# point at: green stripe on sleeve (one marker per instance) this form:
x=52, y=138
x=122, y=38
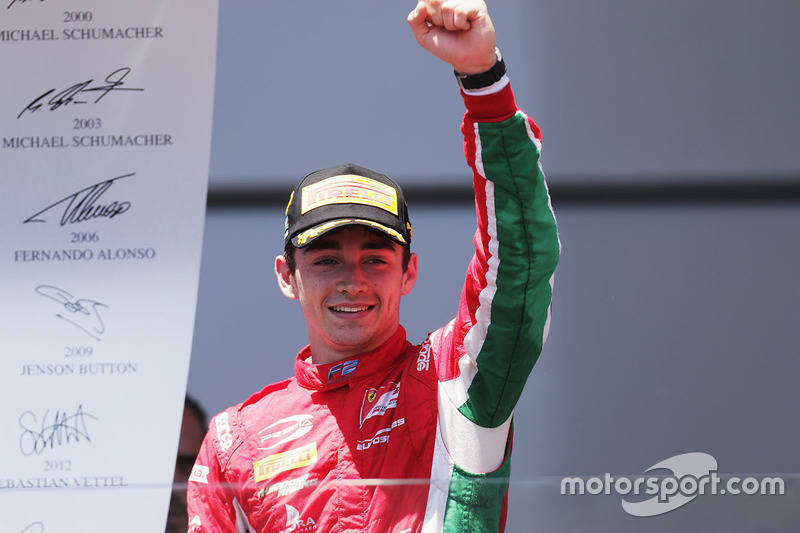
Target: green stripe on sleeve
x=475, y=501
x=528, y=252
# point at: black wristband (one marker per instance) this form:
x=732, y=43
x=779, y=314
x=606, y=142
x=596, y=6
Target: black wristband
x=483, y=79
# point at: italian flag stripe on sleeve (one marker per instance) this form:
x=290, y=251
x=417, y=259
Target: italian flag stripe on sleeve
x=511, y=311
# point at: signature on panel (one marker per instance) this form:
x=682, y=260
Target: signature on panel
x=50, y=431
x=85, y=204
x=80, y=92
x=19, y=2
x=80, y=312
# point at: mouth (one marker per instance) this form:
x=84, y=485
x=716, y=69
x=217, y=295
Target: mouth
x=351, y=309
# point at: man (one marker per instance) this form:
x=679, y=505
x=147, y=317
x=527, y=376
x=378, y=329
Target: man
x=373, y=433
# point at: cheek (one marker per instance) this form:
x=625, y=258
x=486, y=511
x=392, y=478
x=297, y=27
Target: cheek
x=310, y=290
x=396, y=290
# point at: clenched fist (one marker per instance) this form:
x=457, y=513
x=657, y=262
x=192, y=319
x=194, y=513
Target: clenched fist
x=458, y=32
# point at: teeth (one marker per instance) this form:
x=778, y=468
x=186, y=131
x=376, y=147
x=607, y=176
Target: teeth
x=350, y=309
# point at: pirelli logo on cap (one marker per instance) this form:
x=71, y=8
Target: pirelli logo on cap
x=273, y=465
x=349, y=189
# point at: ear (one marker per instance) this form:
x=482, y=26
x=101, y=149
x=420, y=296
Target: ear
x=286, y=279
x=410, y=275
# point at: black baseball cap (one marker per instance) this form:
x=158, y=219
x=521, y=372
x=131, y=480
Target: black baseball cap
x=347, y=194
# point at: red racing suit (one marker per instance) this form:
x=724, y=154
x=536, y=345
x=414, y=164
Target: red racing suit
x=405, y=438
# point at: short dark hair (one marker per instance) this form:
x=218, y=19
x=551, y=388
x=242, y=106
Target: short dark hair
x=289, y=249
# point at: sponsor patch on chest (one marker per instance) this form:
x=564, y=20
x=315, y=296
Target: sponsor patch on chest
x=381, y=436
x=377, y=401
x=290, y=486
x=284, y=430
x=296, y=523
x=273, y=465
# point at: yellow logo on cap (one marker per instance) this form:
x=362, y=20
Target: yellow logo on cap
x=349, y=189
x=316, y=231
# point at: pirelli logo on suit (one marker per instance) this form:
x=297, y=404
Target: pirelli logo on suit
x=273, y=465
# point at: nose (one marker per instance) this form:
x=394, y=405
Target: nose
x=353, y=280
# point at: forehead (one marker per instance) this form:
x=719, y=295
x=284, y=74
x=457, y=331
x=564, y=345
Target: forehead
x=353, y=235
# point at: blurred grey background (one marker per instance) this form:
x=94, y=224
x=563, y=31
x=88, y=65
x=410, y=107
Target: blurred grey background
x=671, y=145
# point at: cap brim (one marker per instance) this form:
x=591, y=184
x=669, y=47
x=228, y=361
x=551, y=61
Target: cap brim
x=303, y=239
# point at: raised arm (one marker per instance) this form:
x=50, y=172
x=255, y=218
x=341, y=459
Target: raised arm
x=486, y=354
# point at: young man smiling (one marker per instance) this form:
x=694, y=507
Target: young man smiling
x=374, y=433
x=349, y=283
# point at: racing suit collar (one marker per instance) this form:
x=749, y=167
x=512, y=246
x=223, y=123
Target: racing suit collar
x=339, y=373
